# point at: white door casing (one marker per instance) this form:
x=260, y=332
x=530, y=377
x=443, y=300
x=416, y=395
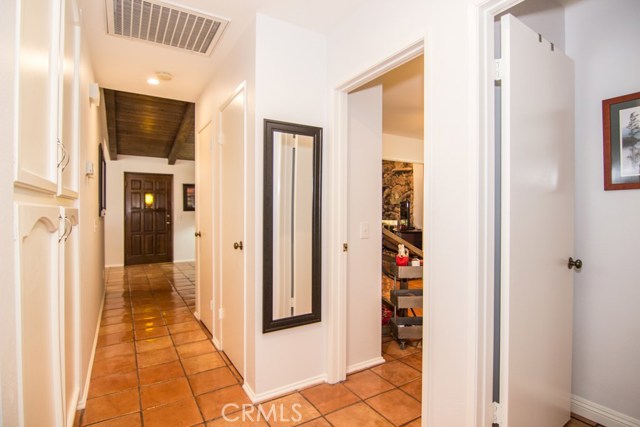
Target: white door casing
x=204, y=226
x=232, y=223
x=537, y=229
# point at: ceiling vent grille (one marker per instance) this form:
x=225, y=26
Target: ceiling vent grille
x=164, y=24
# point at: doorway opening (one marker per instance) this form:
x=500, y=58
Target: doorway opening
x=148, y=222
x=384, y=197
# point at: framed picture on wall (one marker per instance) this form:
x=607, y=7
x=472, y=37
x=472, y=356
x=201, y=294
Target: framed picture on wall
x=188, y=197
x=102, y=182
x=621, y=125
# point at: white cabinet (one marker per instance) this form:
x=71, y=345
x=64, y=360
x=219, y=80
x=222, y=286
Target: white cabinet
x=48, y=332
x=70, y=305
x=47, y=87
x=68, y=116
x=39, y=306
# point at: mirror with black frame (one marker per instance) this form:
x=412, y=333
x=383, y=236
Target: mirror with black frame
x=292, y=202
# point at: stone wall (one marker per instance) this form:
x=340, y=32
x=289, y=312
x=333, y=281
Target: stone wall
x=397, y=186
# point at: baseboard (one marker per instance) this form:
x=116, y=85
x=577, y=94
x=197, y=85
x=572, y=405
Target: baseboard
x=284, y=390
x=113, y=265
x=365, y=365
x=196, y=315
x=601, y=414
x=85, y=390
x=215, y=342
x=71, y=416
x=183, y=260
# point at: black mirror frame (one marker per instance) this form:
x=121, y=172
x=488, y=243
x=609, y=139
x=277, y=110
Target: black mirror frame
x=268, y=323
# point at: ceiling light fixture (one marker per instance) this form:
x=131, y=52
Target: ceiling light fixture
x=153, y=81
x=164, y=76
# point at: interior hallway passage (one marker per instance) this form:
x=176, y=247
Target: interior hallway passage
x=155, y=366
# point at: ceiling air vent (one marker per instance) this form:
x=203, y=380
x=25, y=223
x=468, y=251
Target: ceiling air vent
x=164, y=24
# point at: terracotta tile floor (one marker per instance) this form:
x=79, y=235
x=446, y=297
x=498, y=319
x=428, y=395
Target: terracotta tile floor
x=155, y=366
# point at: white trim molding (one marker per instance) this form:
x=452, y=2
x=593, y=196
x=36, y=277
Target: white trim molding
x=601, y=414
x=365, y=365
x=87, y=380
x=284, y=390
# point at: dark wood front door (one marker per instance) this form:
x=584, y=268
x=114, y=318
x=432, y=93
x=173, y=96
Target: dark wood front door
x=148, y=229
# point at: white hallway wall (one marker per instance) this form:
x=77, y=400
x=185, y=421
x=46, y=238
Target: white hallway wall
x=602, y=38
x=355, y=45
x=183, y=222
x=288, y=88
x=91, y=225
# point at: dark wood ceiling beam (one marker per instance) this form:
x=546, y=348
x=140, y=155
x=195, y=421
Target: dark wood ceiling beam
x=184, y=132
x=110, y=107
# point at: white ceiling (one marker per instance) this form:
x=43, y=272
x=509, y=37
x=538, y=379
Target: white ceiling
x=125, y=65
x=403, y=100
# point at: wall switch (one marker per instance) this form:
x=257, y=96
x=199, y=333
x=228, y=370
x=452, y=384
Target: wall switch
x=364, y=230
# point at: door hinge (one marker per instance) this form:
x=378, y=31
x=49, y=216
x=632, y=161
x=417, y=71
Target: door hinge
x=220, y=139
x=497, y=413
x=221, y=314
x=345, y=247
x=497, y=70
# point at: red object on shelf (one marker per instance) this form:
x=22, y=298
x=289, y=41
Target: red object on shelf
x=402, y=261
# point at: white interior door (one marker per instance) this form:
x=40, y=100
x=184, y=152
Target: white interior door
x=537, y=229
x=204, y=226
x=232, y=191
x=364, y=221
x=41, y=403
x=70, y=306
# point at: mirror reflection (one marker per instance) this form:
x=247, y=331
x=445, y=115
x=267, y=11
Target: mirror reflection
x=291, y=225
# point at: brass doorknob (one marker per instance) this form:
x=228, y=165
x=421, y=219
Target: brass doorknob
x=237, y=245
x=198, y=234
x=577, y=264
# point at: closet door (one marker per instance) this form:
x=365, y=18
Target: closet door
x=70, y=305
x=39, y=332
x=38, y=71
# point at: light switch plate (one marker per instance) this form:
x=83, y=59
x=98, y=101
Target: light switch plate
x=364, y=230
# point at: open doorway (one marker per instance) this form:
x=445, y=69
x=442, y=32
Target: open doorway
x=385, y=198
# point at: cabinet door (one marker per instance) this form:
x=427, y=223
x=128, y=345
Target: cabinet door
x=37, y=152
x=39, y=332
x=68, y=119
x=70, y=306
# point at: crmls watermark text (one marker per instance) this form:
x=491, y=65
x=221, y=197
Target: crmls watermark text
x=282, y=413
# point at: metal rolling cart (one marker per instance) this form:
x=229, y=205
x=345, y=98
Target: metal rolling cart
x=404, y=327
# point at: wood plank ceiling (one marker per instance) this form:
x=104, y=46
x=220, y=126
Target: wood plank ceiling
x=141, y=125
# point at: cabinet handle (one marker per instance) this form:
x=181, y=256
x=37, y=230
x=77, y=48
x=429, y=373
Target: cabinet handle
x=64, y=154
x=67, y=230
x=237, y=245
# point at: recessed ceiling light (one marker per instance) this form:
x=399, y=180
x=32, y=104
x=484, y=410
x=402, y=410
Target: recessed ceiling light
x=164, y=76
x=153, y=81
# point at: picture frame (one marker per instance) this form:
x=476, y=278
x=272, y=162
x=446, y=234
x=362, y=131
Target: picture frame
x=621, y=128
x=188, y=197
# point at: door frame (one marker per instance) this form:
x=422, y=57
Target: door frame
x=482, y=120
x=338, y=234
x=248, y=240
x=484, y=13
